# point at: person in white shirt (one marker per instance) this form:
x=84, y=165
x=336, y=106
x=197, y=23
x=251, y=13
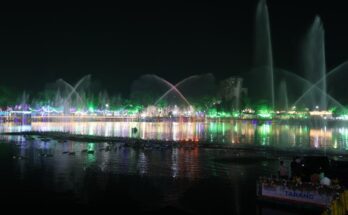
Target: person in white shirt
x=324, y=180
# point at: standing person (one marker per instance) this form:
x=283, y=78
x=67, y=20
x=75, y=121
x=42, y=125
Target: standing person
x=283, y=171
x=295, y=167
x=324, y=180
x=315, y=178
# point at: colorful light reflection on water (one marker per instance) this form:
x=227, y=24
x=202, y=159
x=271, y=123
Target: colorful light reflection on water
x=232, y=132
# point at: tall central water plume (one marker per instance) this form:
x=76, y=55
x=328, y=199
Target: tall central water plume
x=314, y=64
x=263, y=56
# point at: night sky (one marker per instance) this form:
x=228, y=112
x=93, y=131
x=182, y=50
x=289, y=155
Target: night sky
x=117, y=45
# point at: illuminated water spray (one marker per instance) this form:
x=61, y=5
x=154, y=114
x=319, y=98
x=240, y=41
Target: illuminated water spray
x=263, y=57
x=73, y=89
x=172, y=88
x=175, y=88
x=314, y=63
x=315, y=87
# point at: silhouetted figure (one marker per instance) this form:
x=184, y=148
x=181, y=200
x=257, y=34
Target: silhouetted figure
x=315, y=178
x=295, y=167
x=134, y=130
x=283, y=171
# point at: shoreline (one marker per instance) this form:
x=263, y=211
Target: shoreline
x=104, y=118
x=141, y=143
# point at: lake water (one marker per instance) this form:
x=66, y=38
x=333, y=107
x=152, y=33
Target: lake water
x=174, y=179
x=252, y=133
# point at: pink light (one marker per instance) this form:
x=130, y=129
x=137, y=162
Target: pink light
x=173, y=88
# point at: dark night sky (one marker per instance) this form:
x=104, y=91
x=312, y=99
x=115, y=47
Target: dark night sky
x=117, y=45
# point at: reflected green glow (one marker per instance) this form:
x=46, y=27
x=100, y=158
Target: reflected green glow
x=235, y=114
x=235, y=127
x=90, y=146
x=294, y=135
x=213, y=113
x=91, y=159
x=265, y=134
x=264, y=112
x=132, y=110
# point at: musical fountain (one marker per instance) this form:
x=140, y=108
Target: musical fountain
x=197, y=98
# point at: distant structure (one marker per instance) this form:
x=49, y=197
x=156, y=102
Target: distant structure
x=231, y=91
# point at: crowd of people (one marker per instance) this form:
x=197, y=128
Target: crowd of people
x=298, y=173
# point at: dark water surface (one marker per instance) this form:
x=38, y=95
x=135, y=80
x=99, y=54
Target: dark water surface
x=175, y=180
x=42, y=173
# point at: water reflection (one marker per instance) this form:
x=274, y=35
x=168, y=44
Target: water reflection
x=89, y=172
x=228, y=132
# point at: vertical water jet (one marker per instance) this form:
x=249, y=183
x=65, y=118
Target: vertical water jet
x=263, y=56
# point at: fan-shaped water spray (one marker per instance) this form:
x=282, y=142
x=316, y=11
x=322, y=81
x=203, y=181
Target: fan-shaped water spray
x=73, y=89
x=149, y=87
x=77, y=85
x=175, y=88
x=306, y=82
x=337, y=69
